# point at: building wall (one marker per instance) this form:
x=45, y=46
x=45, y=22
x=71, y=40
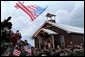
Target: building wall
x=36, y=42
x=77, y=38
x=67, y=36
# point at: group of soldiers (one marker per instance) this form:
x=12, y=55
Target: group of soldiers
x=77, y=50
x=8, y=37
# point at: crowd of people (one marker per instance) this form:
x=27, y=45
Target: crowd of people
x=11, y=42
x=76, y=50
x=12, y=45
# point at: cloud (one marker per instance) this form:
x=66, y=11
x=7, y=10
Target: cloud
x=77, y=15
x=62, y=16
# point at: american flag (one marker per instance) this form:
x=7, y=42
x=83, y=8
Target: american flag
x=33, y=11
x=16, y=52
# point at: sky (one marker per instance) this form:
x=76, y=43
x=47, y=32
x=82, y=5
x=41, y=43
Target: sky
x=68, y=12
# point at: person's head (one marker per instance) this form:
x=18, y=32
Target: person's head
x=58, y=47
x=17, y=30
x=71, y=42
x=25, y=40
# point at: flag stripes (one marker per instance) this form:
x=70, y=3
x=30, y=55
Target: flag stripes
x=16, y=52
x=25, y=9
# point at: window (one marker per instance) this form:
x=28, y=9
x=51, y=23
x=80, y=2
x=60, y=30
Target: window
x=62, y=41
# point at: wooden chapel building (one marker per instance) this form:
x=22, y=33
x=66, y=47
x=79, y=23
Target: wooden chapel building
x=51, y=34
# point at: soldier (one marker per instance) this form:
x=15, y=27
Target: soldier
x=5, y=34
x=6, y=23
x=18, y=34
